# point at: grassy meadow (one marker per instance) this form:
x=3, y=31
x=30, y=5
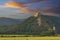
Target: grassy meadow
x=29, y=38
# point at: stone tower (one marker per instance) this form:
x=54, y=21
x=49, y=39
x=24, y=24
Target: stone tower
x=37, y=14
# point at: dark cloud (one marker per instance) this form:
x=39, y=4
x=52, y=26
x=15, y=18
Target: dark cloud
x=54, y=7
x=28, y=1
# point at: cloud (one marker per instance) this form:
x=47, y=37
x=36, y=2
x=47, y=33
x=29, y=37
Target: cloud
x=31, y=6
x=46, y=7
x=28, y=1
x=54, y=9
x=27, y=11
x=14, y=5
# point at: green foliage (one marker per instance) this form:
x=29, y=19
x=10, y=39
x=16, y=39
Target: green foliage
x=31, y=27
x=48, y=33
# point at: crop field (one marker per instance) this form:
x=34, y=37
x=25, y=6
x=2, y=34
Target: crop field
x=29, y=38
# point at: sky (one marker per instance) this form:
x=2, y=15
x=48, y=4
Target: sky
x=22, y=9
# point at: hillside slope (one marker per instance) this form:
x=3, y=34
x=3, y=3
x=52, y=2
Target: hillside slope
x=31, y=27
x=9, y=21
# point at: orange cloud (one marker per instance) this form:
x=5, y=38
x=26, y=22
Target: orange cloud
x=14, y=5
x=27, y=11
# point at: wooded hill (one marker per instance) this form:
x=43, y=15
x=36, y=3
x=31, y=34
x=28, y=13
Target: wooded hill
x=30, y=26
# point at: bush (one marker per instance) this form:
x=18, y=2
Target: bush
x=48, y=33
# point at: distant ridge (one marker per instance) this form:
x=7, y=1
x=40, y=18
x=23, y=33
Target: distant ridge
x=9, y=21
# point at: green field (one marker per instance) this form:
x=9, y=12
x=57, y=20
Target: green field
x=29, y=38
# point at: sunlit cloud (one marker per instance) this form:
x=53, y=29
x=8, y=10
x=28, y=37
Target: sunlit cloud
x=14, y=5
x=26, y=11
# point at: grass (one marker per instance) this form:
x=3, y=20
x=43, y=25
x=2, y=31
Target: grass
x=29, y=38
x=24, y=37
